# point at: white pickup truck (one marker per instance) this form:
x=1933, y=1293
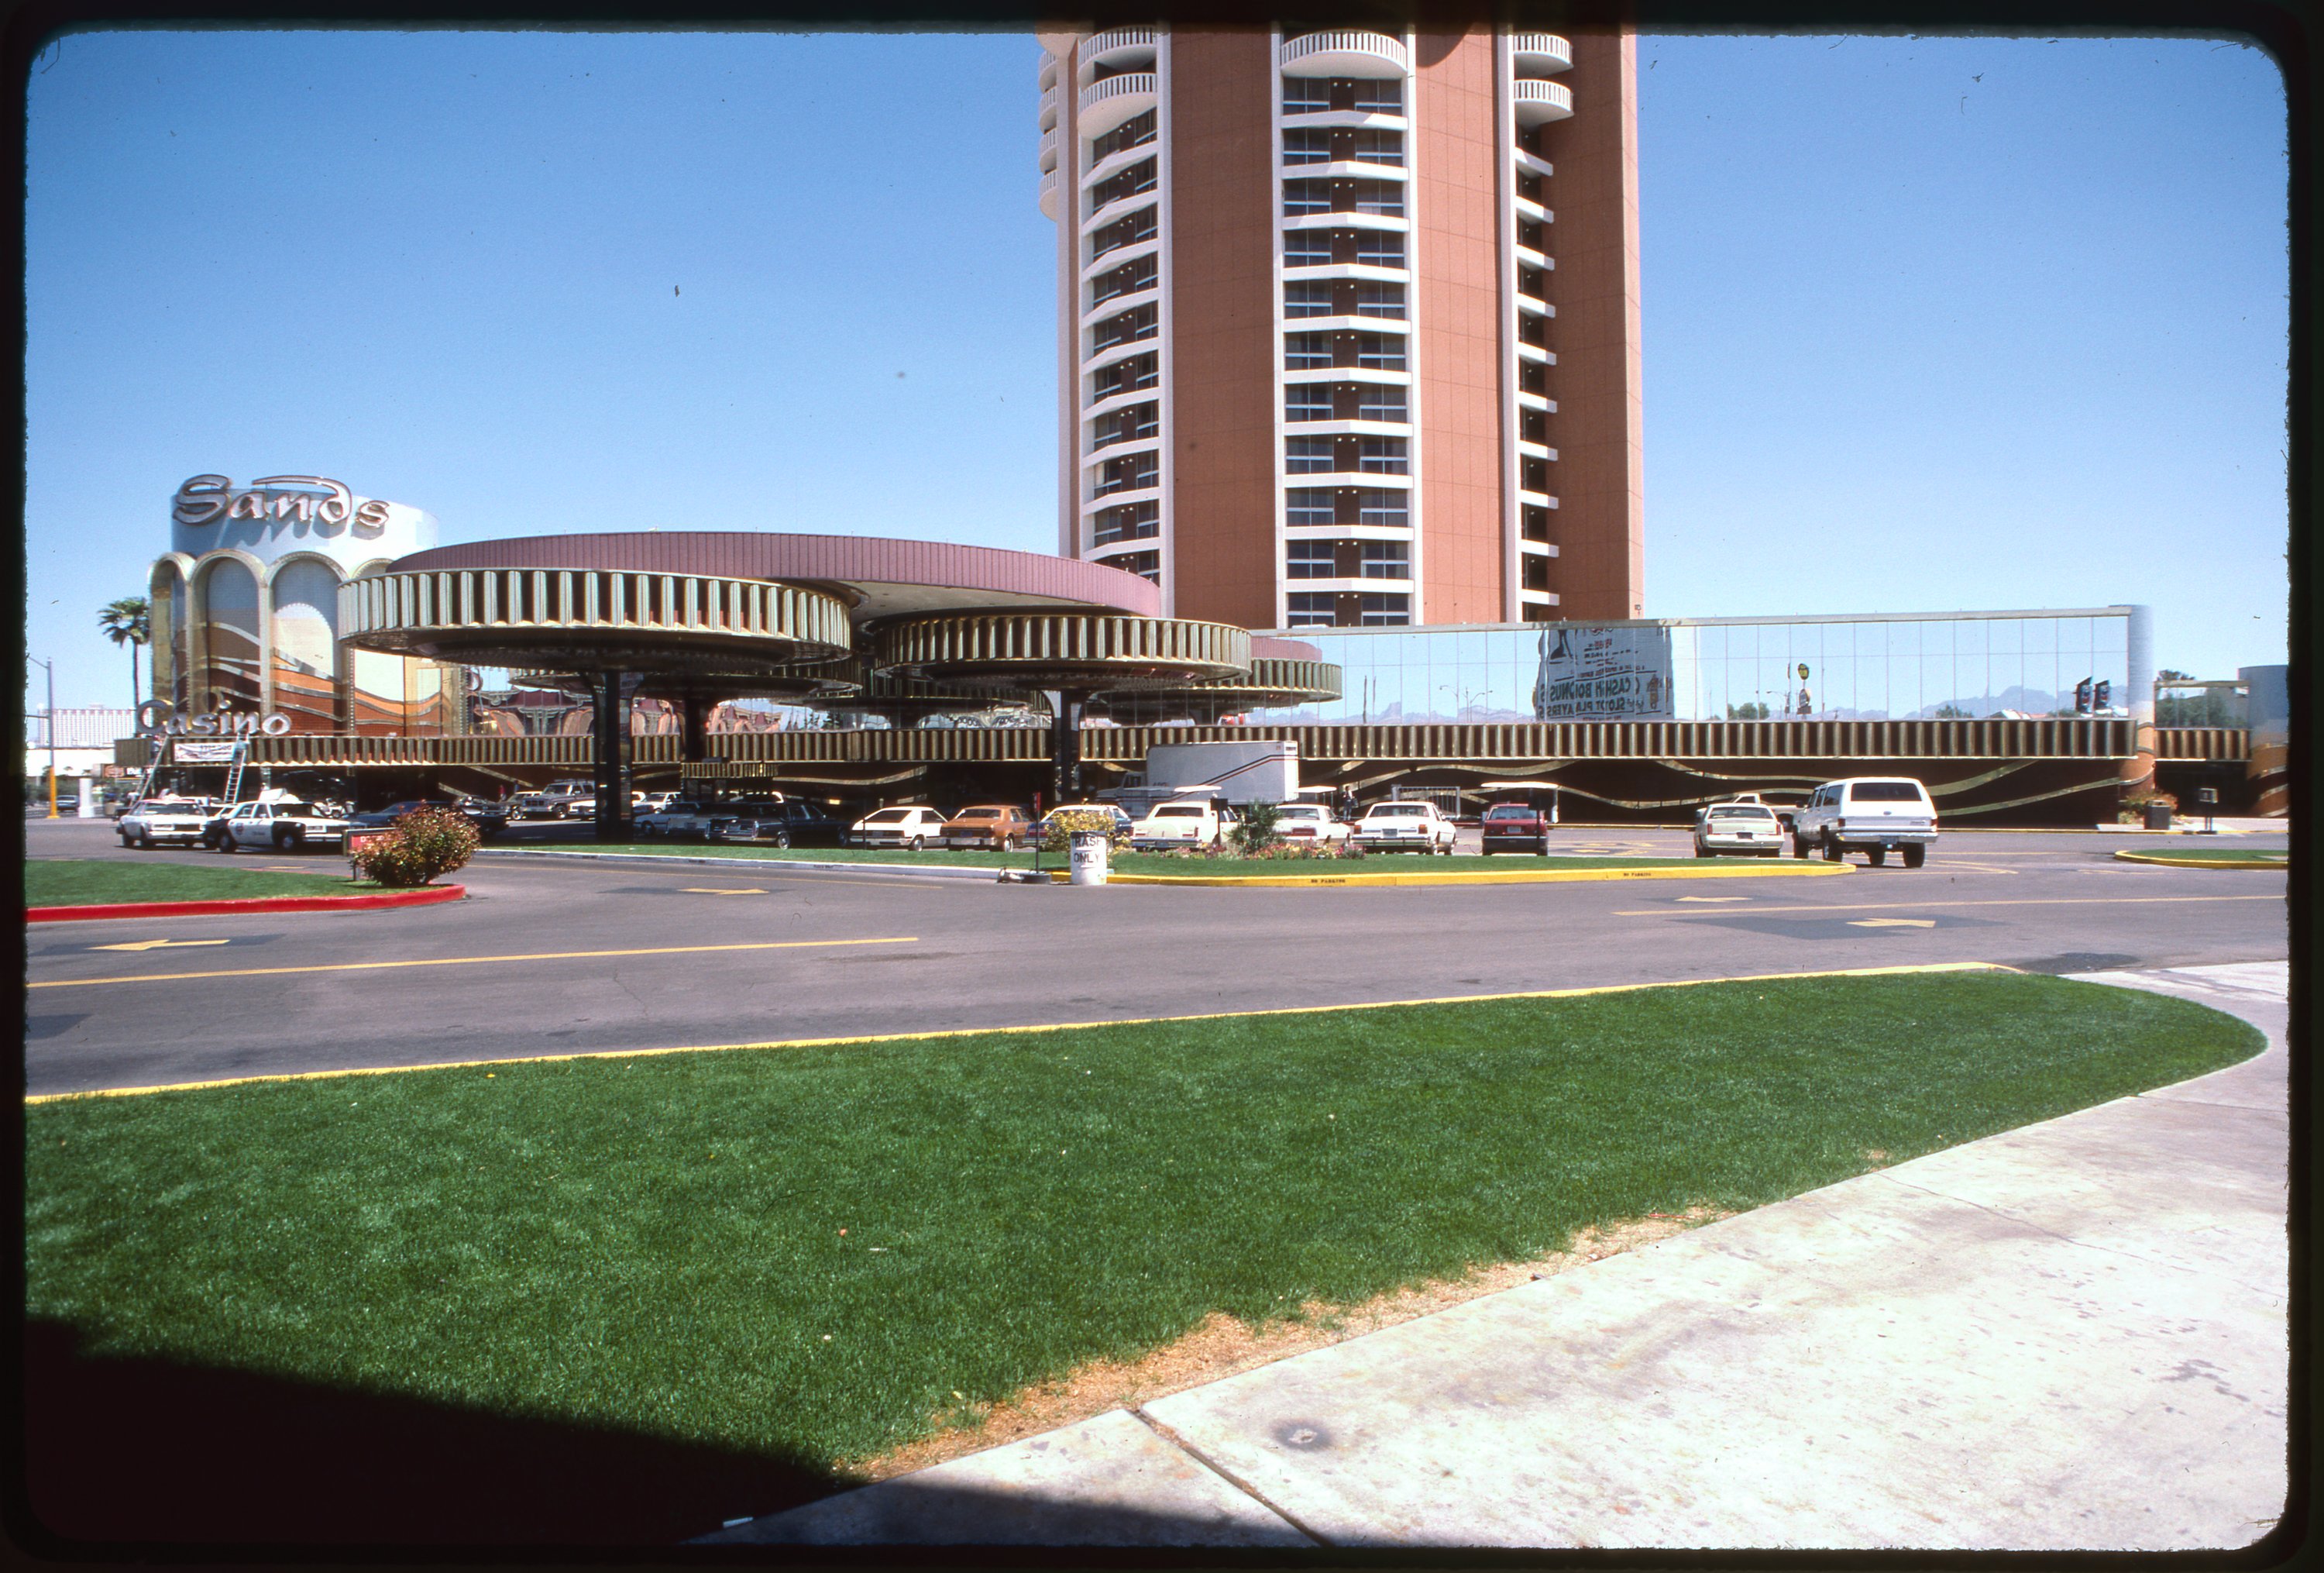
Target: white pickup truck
x=1405, y=827
x=283, y=824
x=166, y=821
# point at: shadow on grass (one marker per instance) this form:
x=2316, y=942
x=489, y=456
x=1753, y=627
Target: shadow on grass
x=144, y=1449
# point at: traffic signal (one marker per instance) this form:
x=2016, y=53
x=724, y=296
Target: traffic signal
x=2083, y=698
x=2104, y=693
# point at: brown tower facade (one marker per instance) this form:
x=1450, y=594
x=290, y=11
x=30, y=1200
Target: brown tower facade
x=1347, y=321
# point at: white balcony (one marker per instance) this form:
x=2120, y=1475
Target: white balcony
x=1347, y=479
x=1097, y=360
x=1096, y=453
x=1120, y=46
x=1358, y=119
x=1540, y=54
x=1347, y=221
x=1048, y=69
x=1538, y=499
x=1534, y=103
x=1377, y=274
x=1347, y=170
x=1532, y=211
x=1537, y=548
x=1534, y=307
x=1106, y=262
x=1347, y=428
x=1343, y=53
x=1106, y=104
x=1122, y=400
x=1152, y=494
x=1114, y=163
x=1048, y=108
x=1123, y=207
x=1048, y=150
x=1536, y=402
x=1533, y=163
x=1348, y=373
x=1528, y=257
x=1049, y=193
x=1536, y=450
x=1143, y=295
x=1357, y=324
x=1535, y=354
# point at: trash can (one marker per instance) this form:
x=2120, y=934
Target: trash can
x=2158, y=816
x=1088, y=857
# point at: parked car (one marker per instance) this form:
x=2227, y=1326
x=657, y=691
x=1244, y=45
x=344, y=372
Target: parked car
x=793, y=822
x=914, y=827
x=1752, y=829
x=1182, y=822
x=166, y=821
x=1873, y=815
x=995, y=824
x=1405, y=826
x=284, y=824
x=680, y=818
x=537, y=805
x=1514, y=828
x=585, y=807
x=489, y=818
x=1312, y=823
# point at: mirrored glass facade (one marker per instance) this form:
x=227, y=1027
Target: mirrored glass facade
x=1869, y=668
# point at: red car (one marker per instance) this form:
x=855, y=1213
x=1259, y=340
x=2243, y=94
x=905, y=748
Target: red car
x=1516, y=828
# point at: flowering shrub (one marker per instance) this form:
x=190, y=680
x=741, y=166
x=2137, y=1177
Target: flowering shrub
x=1058, y=836
x=2134, y=804
x=1255, y=831
x=419, y=847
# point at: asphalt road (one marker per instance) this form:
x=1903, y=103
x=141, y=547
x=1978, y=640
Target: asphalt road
x=549, y=957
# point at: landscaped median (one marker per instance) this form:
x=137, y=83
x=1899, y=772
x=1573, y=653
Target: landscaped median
x=715, y=1282
x=75, y=890
x=1161, y=868
x=2211, y=856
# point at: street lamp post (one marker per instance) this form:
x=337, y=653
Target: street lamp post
x=50, y=721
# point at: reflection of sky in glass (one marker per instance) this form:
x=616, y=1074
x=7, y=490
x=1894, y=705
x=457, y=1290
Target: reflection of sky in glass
x=1861, y=669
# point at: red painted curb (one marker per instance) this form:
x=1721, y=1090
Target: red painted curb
x=426, y=896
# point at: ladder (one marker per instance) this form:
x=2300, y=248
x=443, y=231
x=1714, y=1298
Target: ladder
x=154, y=770
x=234, y=772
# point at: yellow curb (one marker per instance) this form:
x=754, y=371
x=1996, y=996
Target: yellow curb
x=2164, y=862
x=1710, y=870
x=1910, y=969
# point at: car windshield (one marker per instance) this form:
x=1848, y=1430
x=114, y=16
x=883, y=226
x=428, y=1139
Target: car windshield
x=1885, y=791
x=1178, y=811
x=1396, y=811
x=889, y=817
x=286, y=808
x=980, y=813
x=1509, y=811
x=1744, y=811
x=1299, y=811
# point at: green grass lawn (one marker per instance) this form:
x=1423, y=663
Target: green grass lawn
x=1140, y=862
x=68, y=882
x=2258, y=856
x=807, y=1254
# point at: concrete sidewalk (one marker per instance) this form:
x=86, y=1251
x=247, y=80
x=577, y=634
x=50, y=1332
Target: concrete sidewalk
x=2068, y=1337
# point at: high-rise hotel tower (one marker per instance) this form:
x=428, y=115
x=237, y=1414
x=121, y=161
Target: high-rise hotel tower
x=1347, y=321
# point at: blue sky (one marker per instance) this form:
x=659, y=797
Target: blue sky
x=1929, y=324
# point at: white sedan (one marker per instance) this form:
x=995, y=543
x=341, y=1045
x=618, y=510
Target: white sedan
x=1752, y=829
x=284, y=824
x=912, y=827
x=1311, y=824
x=1405, y=827
x=158, y=821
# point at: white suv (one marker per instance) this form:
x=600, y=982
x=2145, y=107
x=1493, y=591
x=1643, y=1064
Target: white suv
x=1871, y=814
x=1405, y=826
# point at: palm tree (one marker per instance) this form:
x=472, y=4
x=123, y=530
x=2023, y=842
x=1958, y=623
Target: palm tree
x=128, y=621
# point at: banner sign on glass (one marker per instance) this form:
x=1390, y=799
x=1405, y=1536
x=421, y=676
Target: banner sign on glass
x=1589, y=672
x=204, y=752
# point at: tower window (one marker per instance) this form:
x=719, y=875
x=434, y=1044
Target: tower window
x=1307, y=401
x=1375, y=403
x=1306, y=248
x=1376, y=299
x=1387, y=560
x=1379, y=505
x=1308, y=609
x=1379, y=248
x=1129, y=522
x=1310, y=454
x=1307, y=505
x=1135, y=132
x=1307, y=559
x=1386, y=455
x=1307, y=297
x=1306, y=351
x=1383, y=610
x=1306, y=146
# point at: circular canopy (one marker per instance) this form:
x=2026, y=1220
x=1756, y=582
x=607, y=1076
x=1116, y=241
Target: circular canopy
x=1061, y=650
x=565, y=620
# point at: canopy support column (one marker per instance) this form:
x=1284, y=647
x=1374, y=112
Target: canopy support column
x=611, y=694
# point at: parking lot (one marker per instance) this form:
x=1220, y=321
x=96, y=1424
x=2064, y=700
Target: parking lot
x=550, y=957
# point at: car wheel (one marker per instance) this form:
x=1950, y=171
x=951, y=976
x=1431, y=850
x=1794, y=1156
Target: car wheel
x=919, y=843
x=783, y=839
x=1916, y=856
x=1011, y=843
x=226, y=842
x=1446, y=850
x=1877, y=856
x=1830, y=848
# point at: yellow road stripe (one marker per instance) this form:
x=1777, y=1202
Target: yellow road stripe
x=1916, y=906
x=465, y=961
x=1465, y=999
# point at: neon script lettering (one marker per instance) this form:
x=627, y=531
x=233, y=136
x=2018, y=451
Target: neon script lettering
x=293, y=499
